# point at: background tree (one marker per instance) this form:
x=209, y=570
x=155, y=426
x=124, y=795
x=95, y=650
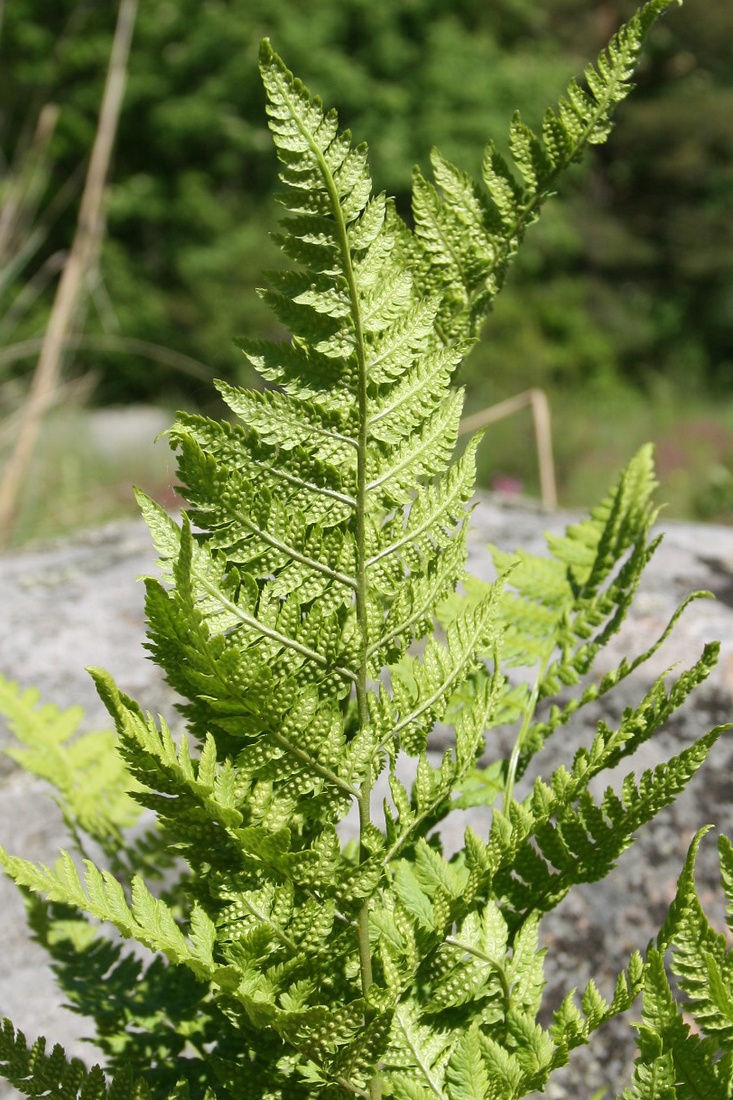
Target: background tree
x=627, y=278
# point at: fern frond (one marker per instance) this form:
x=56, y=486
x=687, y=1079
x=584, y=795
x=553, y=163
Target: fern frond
x=558, y=612
x=330, y=522
x=324, y=534
x=100, y=895
x=467, y=235
x=701, y=958
x=84, y=769
x=35, y=1074
x=673, y=1062
x=554, y=843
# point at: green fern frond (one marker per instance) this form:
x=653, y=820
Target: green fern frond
x=323, y=550
x=466, y=235
x=35, y=1074
x=559, y=612
x=673, y=1061
x=100, y=895
x=701, y=957
x=323, y=540
x=565, y=844
x=685, y=1038
x=84, y=769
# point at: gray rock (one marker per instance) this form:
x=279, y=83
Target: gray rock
x=76, y=602
x=117, y=431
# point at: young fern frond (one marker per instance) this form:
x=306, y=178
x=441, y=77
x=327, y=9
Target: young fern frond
x=466, y=234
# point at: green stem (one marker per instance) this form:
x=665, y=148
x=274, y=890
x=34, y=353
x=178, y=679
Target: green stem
x=529, y=712
x=365, y=794
x=360, y=595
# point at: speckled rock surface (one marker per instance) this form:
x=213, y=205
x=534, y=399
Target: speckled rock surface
x=76, y=602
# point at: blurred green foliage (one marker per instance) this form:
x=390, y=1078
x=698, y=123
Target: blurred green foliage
x=629, y=275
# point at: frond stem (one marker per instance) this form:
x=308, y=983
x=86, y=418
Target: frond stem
x=362, y=613
x=522, y=735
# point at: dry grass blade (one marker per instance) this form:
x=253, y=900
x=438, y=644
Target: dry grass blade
x=85, y=247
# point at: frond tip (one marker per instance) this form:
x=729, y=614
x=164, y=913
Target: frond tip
x=466, y=234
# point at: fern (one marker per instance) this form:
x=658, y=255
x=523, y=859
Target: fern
x=89, y=776
x=324, y=538
x=467, y=233
x=686, y=1036
x=36, y=1073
